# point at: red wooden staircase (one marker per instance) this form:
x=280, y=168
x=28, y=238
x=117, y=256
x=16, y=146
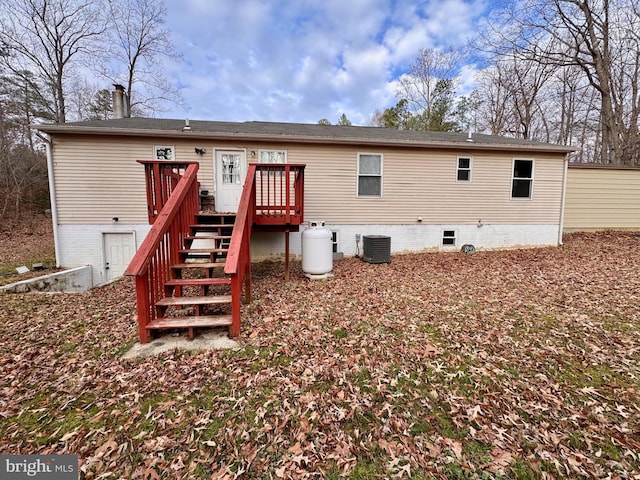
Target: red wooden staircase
x=191, y=268
x=198, y=295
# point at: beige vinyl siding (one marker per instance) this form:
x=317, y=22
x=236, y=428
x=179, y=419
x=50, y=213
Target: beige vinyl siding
x=602, y=198
x=423, y=183
x=97, y=178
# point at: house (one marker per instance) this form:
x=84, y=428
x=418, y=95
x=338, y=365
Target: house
x=426, y=190
x=423, y=190
x=602, y=197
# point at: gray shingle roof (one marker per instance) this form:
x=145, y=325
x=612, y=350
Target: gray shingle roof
x=296, y=133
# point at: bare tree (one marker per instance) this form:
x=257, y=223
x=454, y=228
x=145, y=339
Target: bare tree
x=139, y=44
x=423, y=86
x=376, y=120
x=44, y=37
x=495, y=111
x=591, y=35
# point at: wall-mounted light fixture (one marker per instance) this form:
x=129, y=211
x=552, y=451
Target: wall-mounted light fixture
x=114, y=220
x=200, y=151
x=253, y=153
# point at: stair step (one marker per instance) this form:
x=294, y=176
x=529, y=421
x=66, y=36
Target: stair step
x=197, y=282
x=208, y=237
x=181, y=301
x=190, y=322
x=196, y=251
x=211, y=226
x=224, y=217
x=180, y=266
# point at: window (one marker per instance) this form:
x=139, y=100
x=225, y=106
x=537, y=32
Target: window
x=163, y=152
x=522, y=181
x=230, y=168
x=369, y=175
x=464, y=169
x=449, y=238
x=273, y=156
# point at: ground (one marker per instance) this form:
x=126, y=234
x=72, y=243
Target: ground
x=25, y=243
x=509, y=364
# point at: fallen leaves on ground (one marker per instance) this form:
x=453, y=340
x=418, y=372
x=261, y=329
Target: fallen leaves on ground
x=25, y=243
x=505, y=364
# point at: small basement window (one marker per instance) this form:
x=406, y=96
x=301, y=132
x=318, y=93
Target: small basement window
x=464, y=169
x=449, y=238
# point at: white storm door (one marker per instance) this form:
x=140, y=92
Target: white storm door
x=119, y=249
x=230, y=174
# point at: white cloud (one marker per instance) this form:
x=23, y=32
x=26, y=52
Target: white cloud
x=304, y=60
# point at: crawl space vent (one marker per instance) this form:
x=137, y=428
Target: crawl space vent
x=377, y=249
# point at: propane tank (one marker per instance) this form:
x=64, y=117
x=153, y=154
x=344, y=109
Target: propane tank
x=317, y=249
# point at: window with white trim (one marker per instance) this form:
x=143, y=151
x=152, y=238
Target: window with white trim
x=369, y=175
x=163, y=152
x=273, y=156
x=449, y=238
x=522, y=180
x=464, y=169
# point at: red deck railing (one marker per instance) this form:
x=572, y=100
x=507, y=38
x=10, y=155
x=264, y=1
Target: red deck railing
x=279, y=191
x=172, y=191
x=162, y=178
x=273, y=194
x=238, y=263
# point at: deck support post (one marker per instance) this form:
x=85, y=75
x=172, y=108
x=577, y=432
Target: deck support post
x=286, y=255
x=143, y=306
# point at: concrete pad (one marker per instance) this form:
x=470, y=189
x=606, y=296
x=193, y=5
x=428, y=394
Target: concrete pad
x=205, y=340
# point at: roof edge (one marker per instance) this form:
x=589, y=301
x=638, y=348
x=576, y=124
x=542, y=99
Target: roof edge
x=307, y=139
x=600, y=166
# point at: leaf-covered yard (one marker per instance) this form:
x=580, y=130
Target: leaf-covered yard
x=511, y=364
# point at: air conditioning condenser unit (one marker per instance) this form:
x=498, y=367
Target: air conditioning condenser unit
x=376, y=248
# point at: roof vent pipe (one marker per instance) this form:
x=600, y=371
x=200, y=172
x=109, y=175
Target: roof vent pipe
x=118, y=97
x=469, y=137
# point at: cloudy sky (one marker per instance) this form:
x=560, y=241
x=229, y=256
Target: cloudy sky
x=303, y=60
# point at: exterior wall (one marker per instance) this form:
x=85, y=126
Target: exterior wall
x=97, y=178
x=419, y=183
x=415, y=238
x=83, y=245
x=600, y=198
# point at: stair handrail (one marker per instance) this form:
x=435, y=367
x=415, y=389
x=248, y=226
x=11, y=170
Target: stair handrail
x=151, y=264
x=238, y=262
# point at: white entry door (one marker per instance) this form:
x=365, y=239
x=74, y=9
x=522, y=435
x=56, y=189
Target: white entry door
x=230, y=174
x=119, y=249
